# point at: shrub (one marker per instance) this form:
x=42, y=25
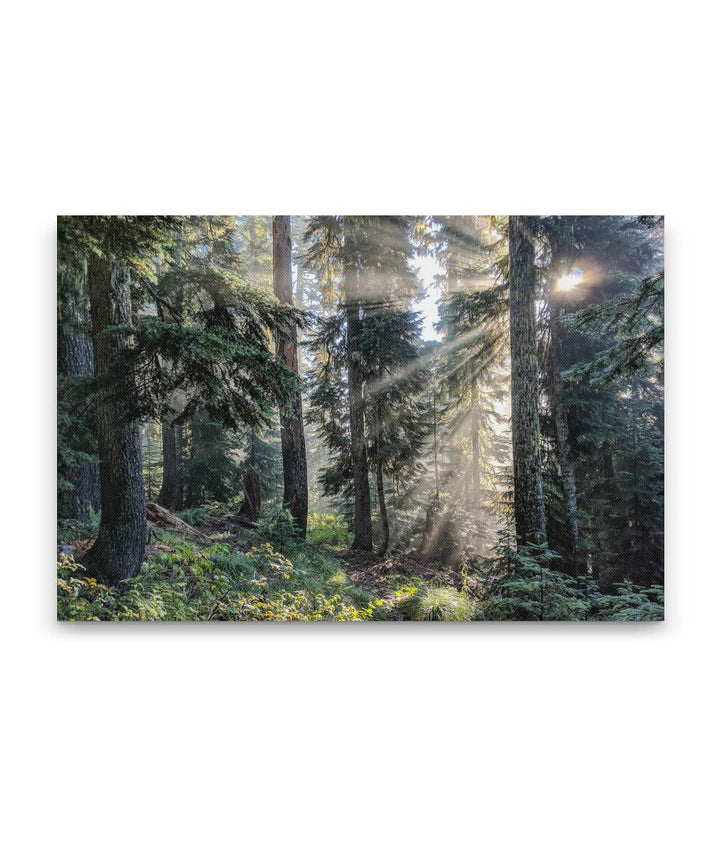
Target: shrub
x=521, y=585
x=328, y=530
x=631, y=603
x=79, y=597
x=194, y=516
x=278, y=525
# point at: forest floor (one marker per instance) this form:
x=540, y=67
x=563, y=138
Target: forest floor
x=367, y=570
x=226, y=567
x=374, y=572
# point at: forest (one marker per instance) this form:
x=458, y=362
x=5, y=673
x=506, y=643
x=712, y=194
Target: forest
x=360, y=418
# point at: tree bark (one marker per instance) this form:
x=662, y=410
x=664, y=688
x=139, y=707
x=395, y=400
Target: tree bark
x=299, y=302
x=250, y=507
x=475, y=431
x=292, y=434
x=358, y=448
x=530, y=522
x=75, y=359
x=119, y=547
x=562, y=432
x=384, y=521
x=170, y=495
x=171, y=489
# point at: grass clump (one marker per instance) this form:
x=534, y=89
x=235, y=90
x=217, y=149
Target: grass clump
x=437, y=603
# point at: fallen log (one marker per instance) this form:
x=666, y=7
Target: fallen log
x=164, y=519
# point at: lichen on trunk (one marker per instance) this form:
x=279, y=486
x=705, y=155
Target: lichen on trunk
x=530, y=522
x=119, y=547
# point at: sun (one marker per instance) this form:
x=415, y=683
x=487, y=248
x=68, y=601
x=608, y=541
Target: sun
x=568, y=281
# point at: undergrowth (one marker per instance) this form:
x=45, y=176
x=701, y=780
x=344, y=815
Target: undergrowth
x=187, y=583
x=275, y=576
x=328, y=530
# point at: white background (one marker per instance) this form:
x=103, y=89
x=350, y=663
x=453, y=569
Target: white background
x=359, y=739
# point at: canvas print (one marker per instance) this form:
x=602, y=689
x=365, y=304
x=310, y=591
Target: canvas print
x=360, y=418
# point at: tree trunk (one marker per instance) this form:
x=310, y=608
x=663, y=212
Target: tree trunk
x=384, y=522
x=562, y=433
x=358, y=449
x=75, y=359
x=250, y=507
x=119, y=547
x=171, y=490
x=170, y=495
x=475, y=431
x=292, y=434
x=530, y=522
x=299, y=302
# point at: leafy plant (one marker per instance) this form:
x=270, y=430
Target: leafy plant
x=184, y=583
x=328, y=530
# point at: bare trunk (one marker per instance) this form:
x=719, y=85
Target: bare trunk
x=358, y=450
x=75, y=359
x=562, y=433
x=530, y=522
x=119, y=547
x=299, y=301
x=384, y=521
x=250, y=507
x=171, y=490
x=170, y=495
x=292, y=434
x=475, y=431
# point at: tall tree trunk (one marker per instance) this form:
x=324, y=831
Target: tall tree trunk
x=475, y=431
x=530, y=521
x=171, y=489
x=562, y=432
x=170, y=495
x=292, y=434
x=118, y=549
x=384, y=521
x=358, y=448
x=75, y=360
x=299, y=302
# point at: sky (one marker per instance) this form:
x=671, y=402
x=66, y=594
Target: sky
x=428, y=267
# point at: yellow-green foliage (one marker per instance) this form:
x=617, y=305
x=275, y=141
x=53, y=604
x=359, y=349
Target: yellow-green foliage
x=437, y=603
x=328, y=530
x=215, y=584
x=81, y=598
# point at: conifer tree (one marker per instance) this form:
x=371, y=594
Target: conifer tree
x=603, y=353
x=562, y=260
x=220, y=361
x=295, y=495
x=354, y=329
x=171, y=489
x=119, y=547
x=397, y=421
x=79, y=471
x=335, y=251
x=529, y=502
x=369, y=257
